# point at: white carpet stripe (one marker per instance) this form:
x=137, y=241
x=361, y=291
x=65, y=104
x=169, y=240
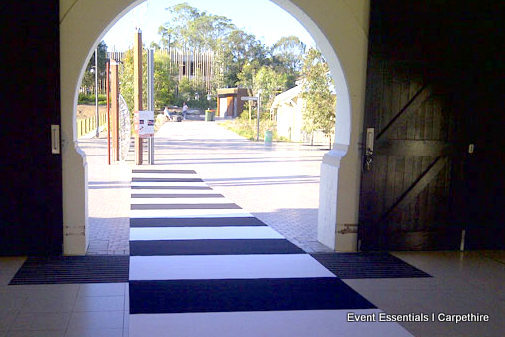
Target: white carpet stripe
x=188, y=213
x=170, y=191
x=177, y=201
x=164, y=175
x=225, y=267
x=320, y=323
x=168, y=183
x=200, y=233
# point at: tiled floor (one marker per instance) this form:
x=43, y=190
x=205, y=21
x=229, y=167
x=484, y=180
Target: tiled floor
x=470, y=282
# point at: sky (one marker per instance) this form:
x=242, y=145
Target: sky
x=262, y=18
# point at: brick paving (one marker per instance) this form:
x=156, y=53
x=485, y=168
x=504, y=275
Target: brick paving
x=279, y=184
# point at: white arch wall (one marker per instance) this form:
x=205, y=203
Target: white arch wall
x=339, y=27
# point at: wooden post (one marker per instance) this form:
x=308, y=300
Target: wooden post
x=137, y=90
x=107, y=79
x=114, y=108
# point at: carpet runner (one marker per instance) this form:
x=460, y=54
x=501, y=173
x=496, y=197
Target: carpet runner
x=202, y=266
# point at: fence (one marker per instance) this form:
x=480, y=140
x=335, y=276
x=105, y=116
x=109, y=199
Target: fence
x=87, y=125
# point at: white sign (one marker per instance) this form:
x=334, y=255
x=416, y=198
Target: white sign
x=249, y=98
x=144, y=123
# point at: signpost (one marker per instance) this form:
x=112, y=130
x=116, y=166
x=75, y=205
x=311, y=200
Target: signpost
x=150, y=102
x=144, y=124
x=255, y=98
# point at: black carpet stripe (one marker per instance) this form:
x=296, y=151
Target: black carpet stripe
x=165, y=171
x=178, y=296
x=185, y=206
x=184, y=195
x=195, y=222
x=213, y=247
x=73, y=269
x=172, y=180
x=367, y=265
x=170, y=188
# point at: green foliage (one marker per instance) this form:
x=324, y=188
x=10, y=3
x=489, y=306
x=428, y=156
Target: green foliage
x=287, y=57
x=248, y=129
x=90, y=99
x=190, y=27
x=88, y=79
x=164, y=83
x=320, y=101
x=271, y=83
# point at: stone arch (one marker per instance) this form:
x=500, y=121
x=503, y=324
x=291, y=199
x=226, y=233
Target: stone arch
x=339, y=27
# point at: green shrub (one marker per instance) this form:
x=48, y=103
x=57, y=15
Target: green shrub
x=246, y=129
x=90, y=99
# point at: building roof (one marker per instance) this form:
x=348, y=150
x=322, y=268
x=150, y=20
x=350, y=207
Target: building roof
x=287, y=97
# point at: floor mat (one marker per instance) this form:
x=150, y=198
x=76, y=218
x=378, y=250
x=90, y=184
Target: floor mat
x=367, y=265
x=72, y=269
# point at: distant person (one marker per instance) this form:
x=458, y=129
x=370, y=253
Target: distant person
x=166, y=113
x=184, y=110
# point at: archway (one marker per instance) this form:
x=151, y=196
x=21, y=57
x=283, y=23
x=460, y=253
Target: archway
x=338, y=28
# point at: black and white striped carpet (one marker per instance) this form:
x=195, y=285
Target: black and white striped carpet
x=202, y=266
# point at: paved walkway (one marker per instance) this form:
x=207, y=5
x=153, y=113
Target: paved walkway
x=279, y=184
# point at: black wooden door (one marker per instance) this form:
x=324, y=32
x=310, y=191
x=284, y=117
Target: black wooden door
x=405, y=193
x=31, y=185
x=434, y=98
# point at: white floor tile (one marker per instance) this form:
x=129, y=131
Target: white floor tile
x=99, y=303
x=102, y=289
x=320, y=323
x=41, y=321
x=49, y=303
x=96, y=320
x=195, y=233
x=102, y=332
x=225, y=267
x=36, y=333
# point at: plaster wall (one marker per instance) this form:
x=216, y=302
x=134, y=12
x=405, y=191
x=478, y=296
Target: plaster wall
x=339, y=27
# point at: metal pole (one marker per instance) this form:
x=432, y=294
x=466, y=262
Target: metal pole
x=137, y=91
x=96, y=94
x=258, y=119
x=108, y=109
x=150, y=98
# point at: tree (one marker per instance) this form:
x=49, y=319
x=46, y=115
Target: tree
x=237, y=49
x=287, y=54
x=188, y=27
x=88, y=79
x=270, y=83
x=164, y=83
x=320, y=101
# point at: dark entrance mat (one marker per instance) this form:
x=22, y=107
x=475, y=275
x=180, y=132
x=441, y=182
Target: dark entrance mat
x=73, y=269
x=367, y=265
x=178, y=296
x=213, y=247
x=195, y=222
